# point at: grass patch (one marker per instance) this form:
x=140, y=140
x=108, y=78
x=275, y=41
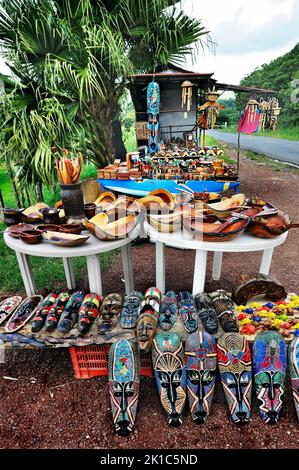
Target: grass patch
x=269, y=162
x=211, y=141
x=291, y=133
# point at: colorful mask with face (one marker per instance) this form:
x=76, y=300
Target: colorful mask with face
x=109, y=313
x=170, y=373
x=294, y=371
x=225, y=309
x=56, y=311
x=88, y=312
x=188, y=311
x=47, y=304
x=200, y=364
x=124, y=378
x=130, y=311
x=69, y=316
x=146, y=330
x=153, y=293
x=235, y=366
x=8, y=306
x=269, y=367
x=168, y=311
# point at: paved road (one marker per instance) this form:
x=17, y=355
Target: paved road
x=280, y=149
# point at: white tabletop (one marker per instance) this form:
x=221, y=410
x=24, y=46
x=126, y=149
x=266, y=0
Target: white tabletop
x=91, y=247
x=242, y=243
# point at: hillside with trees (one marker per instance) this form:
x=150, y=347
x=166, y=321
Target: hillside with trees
x=278, y=75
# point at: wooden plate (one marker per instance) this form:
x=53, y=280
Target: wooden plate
x=65, y=239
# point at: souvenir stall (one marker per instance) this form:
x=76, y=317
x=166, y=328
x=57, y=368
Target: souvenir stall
x=174, y=108
x=181, y=339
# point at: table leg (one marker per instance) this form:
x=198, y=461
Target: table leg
x=69, y=273
x=127, y=267
x=266, y=261
x=217, y=264
x=26, y=273
x=160, y=266
x=199, y=272
x=94, y=274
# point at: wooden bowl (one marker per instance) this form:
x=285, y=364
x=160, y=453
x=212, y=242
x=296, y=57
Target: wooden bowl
x=76, y=229
x=122, y=228
x=200, y=230
x=31, y=237
x=48, y=227
x=167, y=223
x=11, y=216
x=15, y=230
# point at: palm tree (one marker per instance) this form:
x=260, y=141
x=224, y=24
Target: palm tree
x=70, y=60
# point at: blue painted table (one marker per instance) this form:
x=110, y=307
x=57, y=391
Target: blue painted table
x=142, y=188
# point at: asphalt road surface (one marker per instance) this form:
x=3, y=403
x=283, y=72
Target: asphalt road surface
x=279, y=149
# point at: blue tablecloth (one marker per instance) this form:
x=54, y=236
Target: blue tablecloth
x=142, y=188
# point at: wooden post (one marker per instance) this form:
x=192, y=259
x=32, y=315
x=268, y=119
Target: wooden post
x=238, y=161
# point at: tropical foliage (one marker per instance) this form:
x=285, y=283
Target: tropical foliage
x=70, y=61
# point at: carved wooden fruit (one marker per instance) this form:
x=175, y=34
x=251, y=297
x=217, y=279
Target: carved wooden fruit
x=251, y=285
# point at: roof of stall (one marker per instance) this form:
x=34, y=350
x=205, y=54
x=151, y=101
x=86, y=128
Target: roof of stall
x=172, y=74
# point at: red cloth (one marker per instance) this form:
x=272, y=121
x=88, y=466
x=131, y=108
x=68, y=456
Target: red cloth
x=249, y=122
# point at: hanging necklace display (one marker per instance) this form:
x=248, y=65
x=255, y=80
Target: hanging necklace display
x=153, y=109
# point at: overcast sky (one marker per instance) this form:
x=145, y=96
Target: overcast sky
x=248, y=33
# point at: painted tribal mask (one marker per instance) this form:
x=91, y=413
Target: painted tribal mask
x=235, y=365
x=109, y=313
x=200, y=364
x=269, y=367
x=148, y=319
x=47, y=304
x=225, y=309
x=88, y=312
x=188, y=311
x=8, y=306
x=168, y=311
x=124, y=378
x=130, y=311
x=294, y=370
x=168, y=364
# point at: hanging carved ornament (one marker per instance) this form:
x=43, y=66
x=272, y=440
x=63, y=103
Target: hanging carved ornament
x=187, y=95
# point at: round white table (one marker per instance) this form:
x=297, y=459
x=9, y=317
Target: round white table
x=90, y=250
x=184, y=240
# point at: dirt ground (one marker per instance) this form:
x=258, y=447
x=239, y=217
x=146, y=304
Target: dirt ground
x=78, y=415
